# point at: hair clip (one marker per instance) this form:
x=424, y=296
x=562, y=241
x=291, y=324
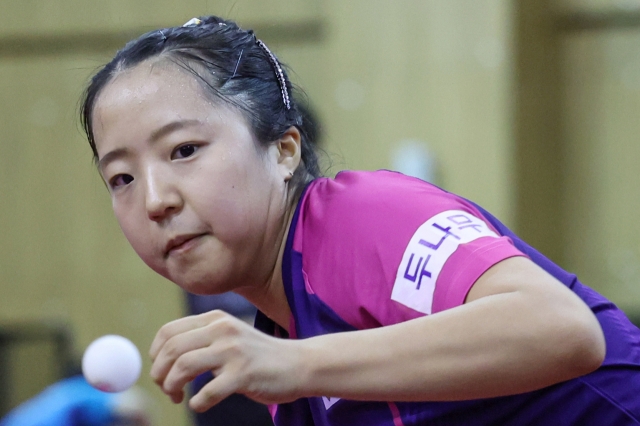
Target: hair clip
x=164, y=37
x=193, y=22
x=279, y=73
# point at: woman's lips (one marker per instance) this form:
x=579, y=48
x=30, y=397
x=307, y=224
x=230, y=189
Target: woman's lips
x=182, y=243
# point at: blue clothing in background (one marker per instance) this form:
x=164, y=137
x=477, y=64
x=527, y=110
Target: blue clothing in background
x=69, y=402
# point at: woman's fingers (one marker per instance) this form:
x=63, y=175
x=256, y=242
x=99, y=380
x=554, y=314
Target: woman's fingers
x=213, y=392
x=177, y=397
x=241, y=358
x=187, y=367
x=176, y=347
x=180, y=326
x=193, y=345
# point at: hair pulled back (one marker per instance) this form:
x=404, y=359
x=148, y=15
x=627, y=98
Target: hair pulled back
x=231, y=66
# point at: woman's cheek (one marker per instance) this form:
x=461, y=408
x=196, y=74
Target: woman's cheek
x=138, y=239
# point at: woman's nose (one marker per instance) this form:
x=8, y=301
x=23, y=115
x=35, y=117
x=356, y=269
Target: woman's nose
x=162, y=199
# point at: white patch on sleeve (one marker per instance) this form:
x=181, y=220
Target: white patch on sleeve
x=329, y=401
x=428, y=251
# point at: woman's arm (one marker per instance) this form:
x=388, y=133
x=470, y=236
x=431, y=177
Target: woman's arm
x=518, y=331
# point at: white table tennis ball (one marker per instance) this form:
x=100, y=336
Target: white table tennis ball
x=111, y=363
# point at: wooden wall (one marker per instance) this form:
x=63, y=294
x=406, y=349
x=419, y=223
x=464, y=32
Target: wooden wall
x=576, y=139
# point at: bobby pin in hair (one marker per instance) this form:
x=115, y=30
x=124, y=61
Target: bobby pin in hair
x=237, y=64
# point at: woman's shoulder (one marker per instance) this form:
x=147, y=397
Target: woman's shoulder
x=359, y=191
x=374, y=198
x=365, y=184
x=385, y=214
x=354, y=232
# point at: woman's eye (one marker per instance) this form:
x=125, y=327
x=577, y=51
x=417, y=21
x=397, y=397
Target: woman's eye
x=120, y=180
x=185, y=151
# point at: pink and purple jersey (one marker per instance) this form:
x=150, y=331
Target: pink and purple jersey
x=370, y=249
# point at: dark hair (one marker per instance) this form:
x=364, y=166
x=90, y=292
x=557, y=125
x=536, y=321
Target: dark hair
x=231, y=65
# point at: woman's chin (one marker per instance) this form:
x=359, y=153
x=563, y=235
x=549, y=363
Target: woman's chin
x=202, y=286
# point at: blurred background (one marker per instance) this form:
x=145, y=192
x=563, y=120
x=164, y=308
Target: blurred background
x=528, y=107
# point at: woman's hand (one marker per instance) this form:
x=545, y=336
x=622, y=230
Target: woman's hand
x=242, y=360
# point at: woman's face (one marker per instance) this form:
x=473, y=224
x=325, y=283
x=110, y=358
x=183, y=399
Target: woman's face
x=198, y=199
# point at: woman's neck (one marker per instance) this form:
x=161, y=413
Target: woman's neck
x=270, y=298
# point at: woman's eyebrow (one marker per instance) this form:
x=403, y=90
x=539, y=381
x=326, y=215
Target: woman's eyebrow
x=172, y=127
x=157, y=134
x=111, y=156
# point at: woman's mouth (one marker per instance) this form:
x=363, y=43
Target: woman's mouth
x=182, y=243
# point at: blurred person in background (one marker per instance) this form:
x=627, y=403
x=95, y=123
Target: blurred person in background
x=73, y=402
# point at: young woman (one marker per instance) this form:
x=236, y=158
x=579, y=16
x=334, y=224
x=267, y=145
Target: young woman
x=382, y=299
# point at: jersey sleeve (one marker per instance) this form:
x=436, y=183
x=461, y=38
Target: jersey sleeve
x=381, y=248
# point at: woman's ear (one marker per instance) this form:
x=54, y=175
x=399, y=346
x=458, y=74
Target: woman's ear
x=289, y=152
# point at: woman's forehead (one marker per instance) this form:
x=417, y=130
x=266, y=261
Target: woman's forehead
x=139, y=101
x=150, y=79
x=146, y=97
